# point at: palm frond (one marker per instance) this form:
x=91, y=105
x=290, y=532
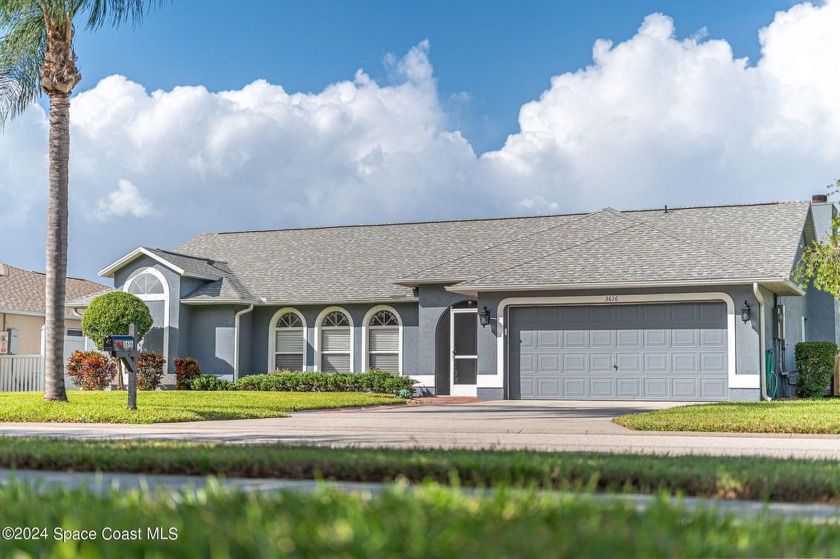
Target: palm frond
x=113, y=13
x=21, y=54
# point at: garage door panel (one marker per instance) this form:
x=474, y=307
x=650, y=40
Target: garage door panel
x=601, y=338
x=601, y=388
x=574, y=339
x=548, y=339
x=628, y=388
x=628, y=363
x=712, y=338
x=656, y=362
x=628, y=338
x=548, y=362
x=669, y=351
x=655, y=338
x=549, y=388
x=656, y=389
x=574, y=388
x=683, y=338
x=574, y=362
x=684, y=389
x=684, y=363
x=713, y=389
x=600, y=362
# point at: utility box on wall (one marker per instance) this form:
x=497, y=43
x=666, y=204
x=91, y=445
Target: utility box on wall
x=14, y=341
x=4, y=343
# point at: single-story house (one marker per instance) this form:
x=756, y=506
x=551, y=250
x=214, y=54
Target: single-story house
x=23, y=305
x=661, y=304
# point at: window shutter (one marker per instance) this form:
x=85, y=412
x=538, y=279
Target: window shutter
x=288, y=362
x=335, y=363
x=385, y=361
x=335, y=340
x=385, y=339
x=289, y=340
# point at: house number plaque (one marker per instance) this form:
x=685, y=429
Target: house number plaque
x=611, y=299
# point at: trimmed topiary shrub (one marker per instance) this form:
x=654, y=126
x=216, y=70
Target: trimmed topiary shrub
x=186, y=368
x=209, y=383
x=150, y=370
x=112, y=313
x=91, y=370
x=815, y=362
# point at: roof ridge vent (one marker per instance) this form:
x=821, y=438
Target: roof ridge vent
x=4, y=270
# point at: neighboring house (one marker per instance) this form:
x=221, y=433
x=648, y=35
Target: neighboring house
x=606, y=305
x=23, y=304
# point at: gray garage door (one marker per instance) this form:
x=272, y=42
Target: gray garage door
x=674, y=351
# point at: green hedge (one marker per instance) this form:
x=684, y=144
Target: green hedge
x=815, y=362
x=370, y=381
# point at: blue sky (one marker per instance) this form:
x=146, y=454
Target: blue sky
x=209, y=117
x=501, y=53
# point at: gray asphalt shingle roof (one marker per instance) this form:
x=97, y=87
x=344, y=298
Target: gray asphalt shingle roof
x=362, y=263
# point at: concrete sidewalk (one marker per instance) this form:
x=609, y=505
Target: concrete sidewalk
x=544, y=426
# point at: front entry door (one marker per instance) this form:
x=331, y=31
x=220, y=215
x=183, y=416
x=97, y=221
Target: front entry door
x=463, y=363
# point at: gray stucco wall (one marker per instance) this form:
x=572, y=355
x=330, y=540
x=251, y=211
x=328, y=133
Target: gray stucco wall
x=261, y=318
x=211, y=338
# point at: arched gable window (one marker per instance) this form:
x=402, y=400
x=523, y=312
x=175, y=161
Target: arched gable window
x=336, y=342
x=145, y=284
x=289, y=348
x=382, y=336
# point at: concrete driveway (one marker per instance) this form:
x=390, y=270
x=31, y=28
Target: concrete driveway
x=545, y=426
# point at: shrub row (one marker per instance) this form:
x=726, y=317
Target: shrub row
x=91, y=370
x=277, y=381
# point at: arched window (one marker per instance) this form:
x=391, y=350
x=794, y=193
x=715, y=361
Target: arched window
x=145, y=284
x=383, y=341
x=336, y=349
x=289, y=342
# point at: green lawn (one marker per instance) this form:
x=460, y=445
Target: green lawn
x=432, y=521
x=720, y=477
x=793, y=416
x=172, y=406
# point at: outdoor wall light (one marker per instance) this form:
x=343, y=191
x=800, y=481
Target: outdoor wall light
x=484, y=317
x=745, y=312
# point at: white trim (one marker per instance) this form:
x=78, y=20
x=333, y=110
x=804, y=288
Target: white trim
x=319, y=328
x=498, y=380
x=236, y=339
x=272, y=337
x=366, y=333
x=762, y=343
x=165, y=298
x=461, y=389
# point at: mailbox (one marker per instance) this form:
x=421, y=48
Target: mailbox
x=119, y=346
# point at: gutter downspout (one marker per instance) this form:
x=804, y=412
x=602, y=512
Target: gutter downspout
x=236, y=340
x=762, y=365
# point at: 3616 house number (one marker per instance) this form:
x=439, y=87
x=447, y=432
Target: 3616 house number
x=611, y=299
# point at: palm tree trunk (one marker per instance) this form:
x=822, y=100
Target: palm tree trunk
x=57, y=214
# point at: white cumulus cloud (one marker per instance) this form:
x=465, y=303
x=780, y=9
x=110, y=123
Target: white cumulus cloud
x=666, y=117
x=123, y=202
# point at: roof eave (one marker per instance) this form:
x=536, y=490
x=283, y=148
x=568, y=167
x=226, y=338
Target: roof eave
x=112, y=268
x=780, y=286
x=419, y=282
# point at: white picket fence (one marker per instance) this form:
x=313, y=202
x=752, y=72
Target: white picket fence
x=21, y=373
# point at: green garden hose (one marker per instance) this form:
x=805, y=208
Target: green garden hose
x=770, y=369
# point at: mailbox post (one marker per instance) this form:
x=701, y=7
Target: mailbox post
x=125, y=349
